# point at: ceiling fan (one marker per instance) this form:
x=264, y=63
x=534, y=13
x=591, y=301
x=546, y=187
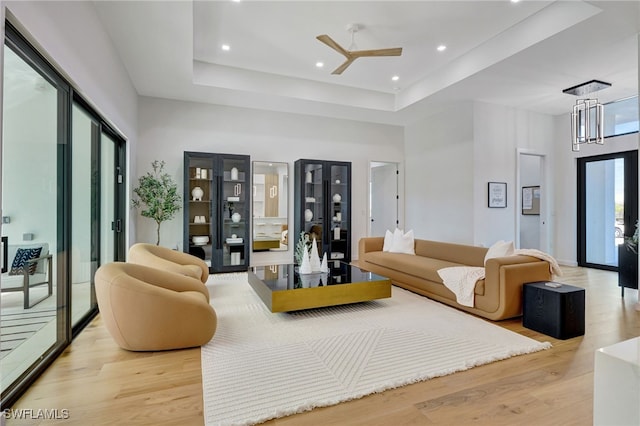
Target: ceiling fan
x=353, y=54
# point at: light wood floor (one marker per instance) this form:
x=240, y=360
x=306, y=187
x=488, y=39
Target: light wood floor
x=101, y=384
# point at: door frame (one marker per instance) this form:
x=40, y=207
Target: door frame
x=630, y=201
x=399, y=194
x=544, y=198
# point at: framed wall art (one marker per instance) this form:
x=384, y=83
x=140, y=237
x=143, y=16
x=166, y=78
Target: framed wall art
x=497, y=194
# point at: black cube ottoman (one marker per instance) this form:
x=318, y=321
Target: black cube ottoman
x=555, y=311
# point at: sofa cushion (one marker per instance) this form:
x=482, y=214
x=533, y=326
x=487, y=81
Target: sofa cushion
x=23, y=255
x=456, y=253
x=402, y=243
x=418, y=266
x=388, y=240
x=499, y=249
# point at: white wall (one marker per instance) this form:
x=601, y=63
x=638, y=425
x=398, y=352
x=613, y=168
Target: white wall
x=450, y=158
x=72, y=38
x=498, y=134
x=168, y=128
x=439, y=172
x=451, y=155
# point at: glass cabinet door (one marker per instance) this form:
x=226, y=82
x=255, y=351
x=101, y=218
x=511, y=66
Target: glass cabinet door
x=233, y=212
x=339, y=212
x=198, y=199
x=314, y=202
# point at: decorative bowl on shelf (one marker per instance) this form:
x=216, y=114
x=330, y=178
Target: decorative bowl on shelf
x=200, y=240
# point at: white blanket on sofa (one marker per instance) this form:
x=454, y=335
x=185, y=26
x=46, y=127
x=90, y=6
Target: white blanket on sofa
x=461, y=280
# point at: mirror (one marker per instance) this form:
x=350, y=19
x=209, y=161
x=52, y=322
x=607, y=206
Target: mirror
x=270, y=206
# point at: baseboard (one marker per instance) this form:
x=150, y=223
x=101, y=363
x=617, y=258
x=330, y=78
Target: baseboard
x=567, y=262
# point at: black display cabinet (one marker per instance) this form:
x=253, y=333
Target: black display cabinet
x=323, y=207
x=217, y=200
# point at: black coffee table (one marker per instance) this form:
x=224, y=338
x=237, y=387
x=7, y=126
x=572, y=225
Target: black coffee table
x=282, y=289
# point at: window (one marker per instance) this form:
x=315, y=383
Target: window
x=621, y=117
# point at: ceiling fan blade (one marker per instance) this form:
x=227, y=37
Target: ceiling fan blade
x=344, y=66
x=332, y=44
x=396, y=51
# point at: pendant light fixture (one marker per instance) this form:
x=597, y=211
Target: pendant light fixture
x=587, y=118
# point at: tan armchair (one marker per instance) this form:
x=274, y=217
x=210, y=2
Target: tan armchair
x=169, y=260
x=147, y=309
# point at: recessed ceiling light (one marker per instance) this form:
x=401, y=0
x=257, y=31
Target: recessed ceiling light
x=395, y=78
x=515, y=1
x=441, y=48
x=226, y=47
x=319, y=64
x=236, y=1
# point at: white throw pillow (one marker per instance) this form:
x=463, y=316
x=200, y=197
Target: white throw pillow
x=499, y=249
x=402, y=243
x=388, y=240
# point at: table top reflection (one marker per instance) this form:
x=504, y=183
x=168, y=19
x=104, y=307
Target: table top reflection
x=286, y=277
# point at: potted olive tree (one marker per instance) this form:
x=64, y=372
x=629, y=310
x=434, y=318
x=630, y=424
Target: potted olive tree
x=157, y=196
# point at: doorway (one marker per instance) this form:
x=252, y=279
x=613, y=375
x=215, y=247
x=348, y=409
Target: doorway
x=384, y=197
x=531, y=201
x=607, y=207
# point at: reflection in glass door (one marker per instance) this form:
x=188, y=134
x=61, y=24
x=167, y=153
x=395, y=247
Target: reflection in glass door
x=84, y=133
x=33, y=299
x=607, y=205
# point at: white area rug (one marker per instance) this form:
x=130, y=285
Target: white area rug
x=261, y=366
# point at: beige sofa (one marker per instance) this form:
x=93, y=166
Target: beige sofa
x=497, y=297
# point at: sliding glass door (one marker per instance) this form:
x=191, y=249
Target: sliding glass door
x=63, y=202
x=97, y=188
x=607, y=207
x=112, y=196
x=33, y=298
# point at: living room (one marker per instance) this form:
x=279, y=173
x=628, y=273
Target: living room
x=448, y=151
